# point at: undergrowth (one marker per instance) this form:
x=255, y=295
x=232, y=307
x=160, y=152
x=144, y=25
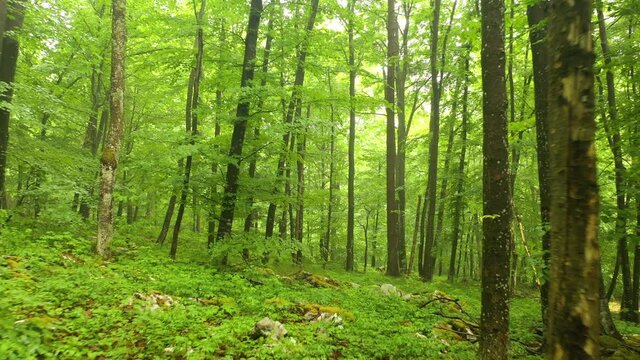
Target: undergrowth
x=60, y=301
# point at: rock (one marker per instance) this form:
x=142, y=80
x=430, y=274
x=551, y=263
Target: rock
x=355, y=285
x=388, y=290
x=269, y=329
x=153, y=301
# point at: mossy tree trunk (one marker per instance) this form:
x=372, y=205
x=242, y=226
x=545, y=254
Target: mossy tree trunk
x=573, y=314
x=109, y=160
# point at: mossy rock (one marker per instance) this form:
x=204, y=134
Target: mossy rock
x=625, y=354
x=609, y=342
x=318, y=280
x=318, y=309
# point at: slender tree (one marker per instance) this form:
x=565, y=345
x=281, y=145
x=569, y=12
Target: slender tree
x=393, y=264
x=614, y=138
x=291, y=110
x=352, y=139
x=12, y=17
x=458, y=202
x=537, y=15
x=434, y=136
x=191, y=124
x=573, y=314
x=240, y=124
x=109, y=160
x=497, y=210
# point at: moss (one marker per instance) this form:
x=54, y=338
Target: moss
x=318, y=309
x=610, y=342
x=109, y=156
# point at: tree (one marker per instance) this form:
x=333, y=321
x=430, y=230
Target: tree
x=352, y=140
x=191, y=126
x=287, y=138
x=611, y=125
x=109, y=160
x=497, y=209
x=12, y=17
x=573, y=316
x=240, y=124
x=537, y=15
x=393, y=264
x=460, y=177
x=428, y=262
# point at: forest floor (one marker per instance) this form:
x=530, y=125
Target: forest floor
x=60, y=301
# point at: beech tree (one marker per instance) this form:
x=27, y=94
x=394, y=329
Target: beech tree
x=11, y=17
x=497, y=209
x=109, y=160
x=573, y=318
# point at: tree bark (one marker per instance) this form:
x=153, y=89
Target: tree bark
x=352, y=141
x=240, y=126
x=497, y=210
x=416, y=230
x=537, y=15
x=393, y=264
x=191, y=124
x=459, y=199
x=12, y=21
x=627, y=312
x=573, y=314
x=109, y=161
x=434, y=135
x=290, y=113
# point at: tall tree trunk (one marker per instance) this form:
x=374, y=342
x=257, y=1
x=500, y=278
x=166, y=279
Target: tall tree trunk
x=240, y=126
x=324, y=245
x=352, y=140
x=109, y=161
x=402, y=73
x=211, y=221
x=573, y=326
x=627, y=312
x=248, y=222
x=459, y=199
x=537, y=15
x=167, y=220
x=290, y=113
x=416, y=230
x=393, y=264
x=497, y=211
x=12, y=21
x=434, y=135
x=299, y=222
x=191, y=123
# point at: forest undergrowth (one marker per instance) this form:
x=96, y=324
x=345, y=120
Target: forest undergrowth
x=61, y=301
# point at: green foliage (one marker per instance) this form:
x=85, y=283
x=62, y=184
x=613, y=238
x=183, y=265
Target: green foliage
x=59, y=301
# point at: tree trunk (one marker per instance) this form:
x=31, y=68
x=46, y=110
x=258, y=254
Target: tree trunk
x=248, y=222
x=324, y=245
x=613, y=133
x=352, y=140
x=12, y=21
x=393, y=264
x=459, y=199
x=299, y=222
x=240, y=126
x=109, y=161
x=573, y=326
x=537, y=14
x=167, y=220
x=434, y=135
x=191, y=124
x=497, y=211
x=289, y=117
x=416, y=230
